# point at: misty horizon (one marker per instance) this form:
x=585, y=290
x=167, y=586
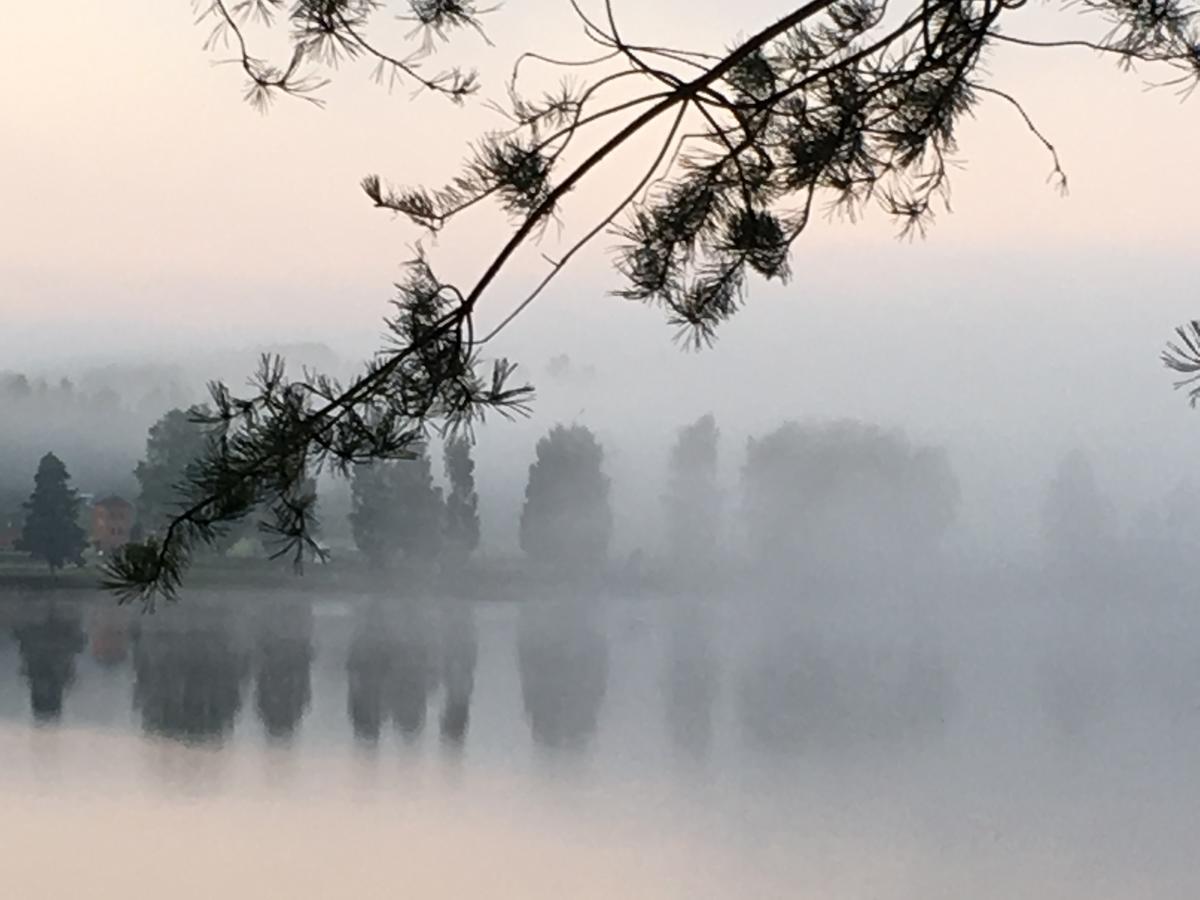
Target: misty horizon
x=664, y=450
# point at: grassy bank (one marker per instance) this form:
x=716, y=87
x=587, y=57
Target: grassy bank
x=496, y=579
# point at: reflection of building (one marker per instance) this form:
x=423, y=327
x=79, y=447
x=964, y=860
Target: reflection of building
x=109, y=637
x=112, y=524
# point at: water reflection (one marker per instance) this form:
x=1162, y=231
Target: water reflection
x=367, y=666
x=1173, y=680
x=562, y=655
x=900, y=760
x=411, y=674
x=690, y=682
x=460, y=649
x=800, y=692
x=109, y=637
x=48, y=646
x=798, y=689
x=189, y=676
x=283, y=669
x=391, y=671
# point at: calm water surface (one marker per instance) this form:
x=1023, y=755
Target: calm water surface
x=244, y=746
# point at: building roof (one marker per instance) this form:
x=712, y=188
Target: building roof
x=114, y=502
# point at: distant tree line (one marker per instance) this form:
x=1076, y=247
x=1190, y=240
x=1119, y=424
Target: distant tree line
x=95, y=424
x=819, y=494
x=838, y=494
x=816, y=496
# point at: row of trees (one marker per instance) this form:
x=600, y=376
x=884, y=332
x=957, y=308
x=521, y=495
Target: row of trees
x=131, y=391
x=815, y=494
x=398, y=511
x=821, y=494
x=836, y=493
x=1083, y=534
x=96, y=421
x=89, y=426
x=19, y=390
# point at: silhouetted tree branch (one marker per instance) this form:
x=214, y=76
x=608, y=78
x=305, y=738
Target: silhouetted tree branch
x=851, y=102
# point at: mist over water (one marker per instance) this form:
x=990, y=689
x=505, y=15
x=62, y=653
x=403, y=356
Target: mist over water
x=791, y=664
x=1002, y=739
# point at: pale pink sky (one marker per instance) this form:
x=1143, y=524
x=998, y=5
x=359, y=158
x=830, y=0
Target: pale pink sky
x=139, y=189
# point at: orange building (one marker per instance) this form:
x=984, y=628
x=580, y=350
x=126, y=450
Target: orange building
x=9, y=536
x=112, y=523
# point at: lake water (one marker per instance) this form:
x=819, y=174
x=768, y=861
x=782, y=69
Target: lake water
x=245, y=746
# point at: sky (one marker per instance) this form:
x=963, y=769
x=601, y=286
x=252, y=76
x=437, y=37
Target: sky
x=148, y=212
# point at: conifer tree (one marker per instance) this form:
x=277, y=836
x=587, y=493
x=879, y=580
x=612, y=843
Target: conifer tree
x=566, y=518
x=692, y=500
x=175, y=442
x=52, y=532
x=397, y=511
x=462, y=503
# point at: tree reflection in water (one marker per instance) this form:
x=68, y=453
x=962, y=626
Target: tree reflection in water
x=109, y=637
x=283, y=669
x=390, y=671
x=690, y=682
x=48, y=647
x=188, y=676
x=411, y=677
x=562, y=655
x=799, y=692
x=366, y=671
x=459, y=652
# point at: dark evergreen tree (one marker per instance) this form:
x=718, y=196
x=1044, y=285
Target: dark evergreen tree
x=52, y=532
x=693, y=500
x=175, y=446
x=462, y=503
x=420, y=534
x=374, y=513
x=397, y=510
x=566, y=518
x=175, y=442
